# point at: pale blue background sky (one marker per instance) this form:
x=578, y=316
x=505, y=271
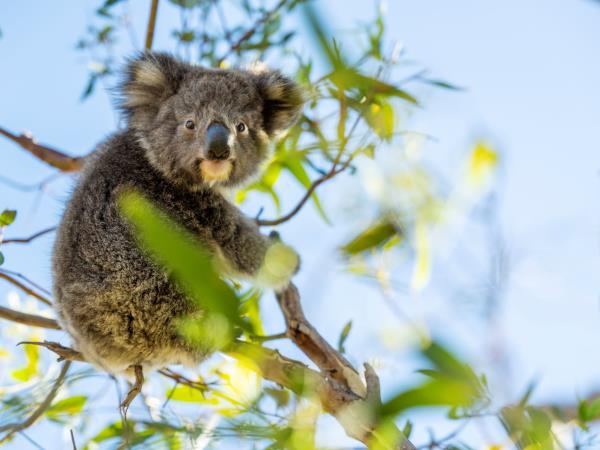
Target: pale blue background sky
x=531, y=70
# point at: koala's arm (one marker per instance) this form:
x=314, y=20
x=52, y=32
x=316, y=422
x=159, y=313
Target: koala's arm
x=246, y=252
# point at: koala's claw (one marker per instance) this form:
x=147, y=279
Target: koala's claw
x=280, y=264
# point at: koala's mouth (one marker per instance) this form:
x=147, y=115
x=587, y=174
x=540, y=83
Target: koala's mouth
x=213, y=170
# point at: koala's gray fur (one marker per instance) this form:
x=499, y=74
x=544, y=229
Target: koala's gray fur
x=121, y=308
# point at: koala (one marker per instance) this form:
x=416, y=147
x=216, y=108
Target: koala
x=190, y=133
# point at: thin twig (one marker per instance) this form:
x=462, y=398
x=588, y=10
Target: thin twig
x=30, y=238
x=252, y=30
x=332, y=173
x=64, y=353
x=270, y=337
x=28, y=319
x=151, y=25
x=13, y=428
x=55, y=158
x=12, y=280
x=181, y=379
x=73, y=439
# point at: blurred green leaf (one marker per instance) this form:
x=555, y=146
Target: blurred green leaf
x=442, y=84
x=70, y=406
x=251, y=309
x=343, y=336
x=1, y=258
x=452, y=384
x=374, y=236
x=380, y=117
x=182, y=393
x=7, y=217
x=186, y=3
x=528, y=427
x=589, y=410
x=189, y=264
x=89, y=88
x=30, y=370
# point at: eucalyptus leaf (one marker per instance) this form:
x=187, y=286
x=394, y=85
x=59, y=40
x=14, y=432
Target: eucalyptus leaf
x=7, y=217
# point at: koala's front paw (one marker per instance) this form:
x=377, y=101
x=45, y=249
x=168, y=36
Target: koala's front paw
x=280, y=264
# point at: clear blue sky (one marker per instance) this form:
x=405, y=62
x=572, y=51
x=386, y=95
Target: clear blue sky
x=531, y=72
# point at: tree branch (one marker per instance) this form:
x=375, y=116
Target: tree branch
x=53, y=157
x=338, y=386
x=28, y=319
x=151, y=25
x=13, y=428
x=332, y=173
x=341, y=391
x=27, y=240
x=12, y=280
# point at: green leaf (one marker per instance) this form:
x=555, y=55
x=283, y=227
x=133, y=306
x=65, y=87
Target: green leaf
x=348, y=78
x=452, y=384
x=32, y=355
x=374, y=236
x=343, y=336
x=7, y=217
x=380, y=117
x=442, y=84
x=407, y=430
x=442, y=392
x=186, y=3
x=251, y=309
x=182, y=393
x=89, y=88
x=70, y=406
x=190, y=266
x=1, y=258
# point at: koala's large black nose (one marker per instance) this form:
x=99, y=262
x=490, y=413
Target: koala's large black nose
x=217, y=146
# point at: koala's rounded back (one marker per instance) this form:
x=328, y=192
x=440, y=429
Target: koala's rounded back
x=189, y=129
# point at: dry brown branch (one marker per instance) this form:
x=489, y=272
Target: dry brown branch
x=12, y=280
x=308, y=339
x=27, y=240
x=342, y=392
x=13, y=428
x=64, y=353
x=151, y=25
x=51, y=156
x=28, y=319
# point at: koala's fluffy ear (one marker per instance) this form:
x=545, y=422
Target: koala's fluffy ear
x=282, y=100
x=149, y=79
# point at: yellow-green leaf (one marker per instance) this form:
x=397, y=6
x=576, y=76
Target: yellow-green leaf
x=71, y=406
x=374, y=236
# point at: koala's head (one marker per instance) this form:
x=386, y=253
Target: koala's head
x=204, y=126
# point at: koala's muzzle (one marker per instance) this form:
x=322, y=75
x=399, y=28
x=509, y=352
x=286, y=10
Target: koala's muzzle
x=217, y=142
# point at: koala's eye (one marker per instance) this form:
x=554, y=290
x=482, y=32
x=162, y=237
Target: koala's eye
x=190, y=125
x=241, y=127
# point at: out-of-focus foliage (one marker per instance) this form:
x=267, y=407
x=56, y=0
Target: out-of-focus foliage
x=360, y=93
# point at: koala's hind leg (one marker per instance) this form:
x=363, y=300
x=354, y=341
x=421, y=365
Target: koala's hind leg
x=136, y=388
